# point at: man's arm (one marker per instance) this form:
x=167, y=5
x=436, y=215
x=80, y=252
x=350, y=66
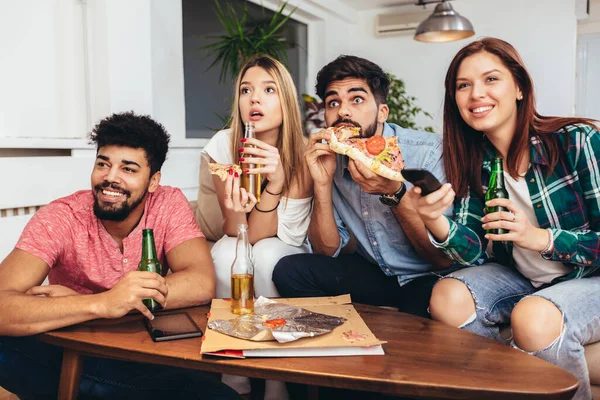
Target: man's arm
x=404, y=212
x=321, y=162
x=24, y=314
x=415, y=231
x=323, y=232
x=193, y=279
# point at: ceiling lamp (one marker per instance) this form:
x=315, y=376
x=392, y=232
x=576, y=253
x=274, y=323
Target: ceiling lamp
x=444, y=25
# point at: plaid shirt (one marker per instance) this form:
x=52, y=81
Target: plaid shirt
x=567, y=202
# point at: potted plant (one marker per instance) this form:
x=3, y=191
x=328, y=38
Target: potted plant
x=403, y=108
x=245, y=37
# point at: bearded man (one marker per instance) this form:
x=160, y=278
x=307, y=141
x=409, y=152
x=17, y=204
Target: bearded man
x=367, y=238
x=89, y=244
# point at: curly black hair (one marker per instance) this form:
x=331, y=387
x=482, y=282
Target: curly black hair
x=346, y=66
x=136, y=131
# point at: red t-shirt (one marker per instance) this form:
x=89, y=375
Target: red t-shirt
x=84, y=257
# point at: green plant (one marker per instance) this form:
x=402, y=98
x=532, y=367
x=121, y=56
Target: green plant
x=314, y=114
x=245, y=37
x=402, y=107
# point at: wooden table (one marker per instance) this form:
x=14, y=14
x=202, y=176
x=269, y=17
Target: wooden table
x=423, y=359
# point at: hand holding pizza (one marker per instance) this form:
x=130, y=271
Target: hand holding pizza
x=380, y=155
x=320, y=159
x=237, y=199
x=369, y=181
x=266, y=158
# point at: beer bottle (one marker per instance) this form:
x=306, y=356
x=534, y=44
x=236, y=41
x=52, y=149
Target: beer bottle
x=150, y=263
x=496, y=190
x=242, y=275
x=250, y=182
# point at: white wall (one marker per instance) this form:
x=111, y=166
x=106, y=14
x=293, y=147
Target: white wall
x=40, y=74
x=543, y=31
x=588, y=60
x=67, y=63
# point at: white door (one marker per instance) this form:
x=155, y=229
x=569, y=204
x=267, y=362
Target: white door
x=588, y=76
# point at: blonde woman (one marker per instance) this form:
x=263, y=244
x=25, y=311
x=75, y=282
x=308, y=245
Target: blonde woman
x=277, y=226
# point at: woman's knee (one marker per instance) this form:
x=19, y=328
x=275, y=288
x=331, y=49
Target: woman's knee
x=451, y=302
x=536, y=323
x=268, y=252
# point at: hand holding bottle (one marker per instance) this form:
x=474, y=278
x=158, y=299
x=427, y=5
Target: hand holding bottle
x=266, y=159
x=128, y=294
x=515, y=224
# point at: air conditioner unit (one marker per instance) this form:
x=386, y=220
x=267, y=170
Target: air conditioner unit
x=398, y=24
x=582, y=9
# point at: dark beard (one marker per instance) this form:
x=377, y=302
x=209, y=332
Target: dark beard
x=364, y=132
x=116, y=214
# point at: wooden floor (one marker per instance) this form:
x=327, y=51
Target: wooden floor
x=4, y=395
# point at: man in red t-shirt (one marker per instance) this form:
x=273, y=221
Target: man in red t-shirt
x=89, y=244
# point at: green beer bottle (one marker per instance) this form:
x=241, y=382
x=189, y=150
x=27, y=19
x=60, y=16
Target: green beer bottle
x=150, y=263
x=496, y=190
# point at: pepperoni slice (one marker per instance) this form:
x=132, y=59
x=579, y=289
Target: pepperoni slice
x=274, y=323
x=375, y=145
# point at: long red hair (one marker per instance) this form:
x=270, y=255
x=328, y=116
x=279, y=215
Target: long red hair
x=462, y=147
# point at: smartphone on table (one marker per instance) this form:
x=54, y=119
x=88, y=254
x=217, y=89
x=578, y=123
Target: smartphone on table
x=172, y=326
x=423, y=179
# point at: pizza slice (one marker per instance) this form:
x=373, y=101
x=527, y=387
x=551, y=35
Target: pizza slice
x=381, y=155
x=222, y=170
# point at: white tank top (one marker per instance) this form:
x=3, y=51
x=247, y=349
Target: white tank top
x=529, y=263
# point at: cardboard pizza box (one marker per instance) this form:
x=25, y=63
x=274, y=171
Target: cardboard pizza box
x=358, y=340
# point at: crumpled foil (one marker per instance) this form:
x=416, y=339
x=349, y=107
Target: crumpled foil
x=299, y=323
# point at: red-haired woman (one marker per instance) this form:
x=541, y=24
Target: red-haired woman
x=542, y=276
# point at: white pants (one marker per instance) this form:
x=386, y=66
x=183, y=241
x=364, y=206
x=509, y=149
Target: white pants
x=266, y=253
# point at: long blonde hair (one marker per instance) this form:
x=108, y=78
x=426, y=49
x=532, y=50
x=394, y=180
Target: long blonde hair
x=290, y=141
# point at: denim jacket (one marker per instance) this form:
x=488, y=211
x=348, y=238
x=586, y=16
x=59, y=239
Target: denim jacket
x=379, y=236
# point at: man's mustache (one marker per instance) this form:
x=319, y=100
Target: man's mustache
x=346, y=121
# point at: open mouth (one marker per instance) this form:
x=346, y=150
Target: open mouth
x=255, y=115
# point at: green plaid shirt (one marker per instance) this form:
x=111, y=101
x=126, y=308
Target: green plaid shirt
x=567, y=202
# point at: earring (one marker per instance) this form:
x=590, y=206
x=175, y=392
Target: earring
x=520, y=97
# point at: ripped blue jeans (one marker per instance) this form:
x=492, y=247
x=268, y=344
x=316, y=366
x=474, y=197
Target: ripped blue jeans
x=496, y=290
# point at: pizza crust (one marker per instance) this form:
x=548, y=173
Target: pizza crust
x=222, y=170
x=355, y=154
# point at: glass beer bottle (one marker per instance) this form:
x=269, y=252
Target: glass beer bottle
x=250, y=182
x=150, y=263
x=496, y=190
x=242, y=275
